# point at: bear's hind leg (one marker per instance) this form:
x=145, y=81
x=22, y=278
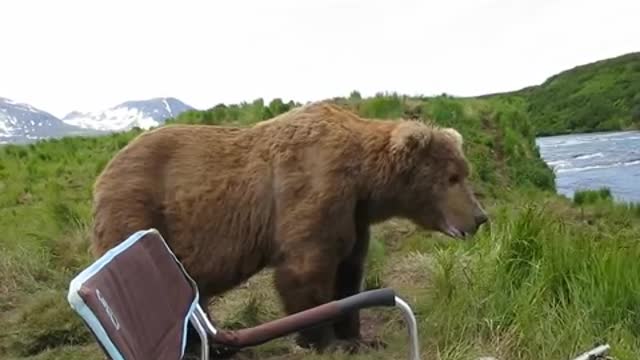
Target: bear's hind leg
x=305, y=281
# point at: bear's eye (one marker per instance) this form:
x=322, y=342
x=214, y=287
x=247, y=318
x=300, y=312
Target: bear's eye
x=454, y=179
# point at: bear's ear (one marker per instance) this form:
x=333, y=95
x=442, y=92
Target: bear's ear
x=455, y=136
x=409, y=136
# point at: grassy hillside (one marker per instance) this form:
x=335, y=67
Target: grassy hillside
x=547, y=279
x=600, y=96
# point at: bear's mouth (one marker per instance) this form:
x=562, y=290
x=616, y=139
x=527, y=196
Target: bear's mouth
x=454, y=232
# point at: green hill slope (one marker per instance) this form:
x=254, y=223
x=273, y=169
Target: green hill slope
x=600, y=96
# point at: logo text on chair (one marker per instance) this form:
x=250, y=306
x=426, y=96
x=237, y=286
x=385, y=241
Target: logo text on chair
x=112, y=316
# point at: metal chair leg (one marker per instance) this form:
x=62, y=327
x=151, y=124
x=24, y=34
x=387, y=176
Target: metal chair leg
x=204, y=339
x=412, y=325
x=202, y=317
x=599, y=352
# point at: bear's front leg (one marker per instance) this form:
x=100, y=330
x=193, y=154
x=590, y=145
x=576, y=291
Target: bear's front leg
x=349, y=275
x=305, y=281
x=348, y=282
x=193, y=346
x=347, y=329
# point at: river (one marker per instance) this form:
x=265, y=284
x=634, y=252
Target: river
x=591, y=161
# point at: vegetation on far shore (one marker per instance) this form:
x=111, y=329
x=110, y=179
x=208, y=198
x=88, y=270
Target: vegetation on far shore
x=594, y=97
x=599, y=96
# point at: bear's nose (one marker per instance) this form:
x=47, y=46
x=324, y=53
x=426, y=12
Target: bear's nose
x=481, y=219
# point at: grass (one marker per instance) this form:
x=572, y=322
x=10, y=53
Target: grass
x=549, y=277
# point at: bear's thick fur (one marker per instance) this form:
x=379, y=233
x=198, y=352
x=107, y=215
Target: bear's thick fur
x=296, y=193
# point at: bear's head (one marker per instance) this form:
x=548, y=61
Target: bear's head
x=432, y=179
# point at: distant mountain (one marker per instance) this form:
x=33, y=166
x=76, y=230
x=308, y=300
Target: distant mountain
x=143, y=114
x=22, y=123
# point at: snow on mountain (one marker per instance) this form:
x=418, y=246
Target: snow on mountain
x=142, y=113
x=20, y=123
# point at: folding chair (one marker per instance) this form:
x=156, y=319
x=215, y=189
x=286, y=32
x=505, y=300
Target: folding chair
x=137, y=300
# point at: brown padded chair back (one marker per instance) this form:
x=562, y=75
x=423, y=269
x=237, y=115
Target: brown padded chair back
x=136, y=299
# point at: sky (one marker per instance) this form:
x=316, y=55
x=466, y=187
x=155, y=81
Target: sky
x=66, y=55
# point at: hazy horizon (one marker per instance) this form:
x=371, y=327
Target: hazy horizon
x=77, y=56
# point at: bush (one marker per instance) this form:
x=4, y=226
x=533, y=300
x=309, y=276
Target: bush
x=382, y=106
x=635, y=114
x=586, y=197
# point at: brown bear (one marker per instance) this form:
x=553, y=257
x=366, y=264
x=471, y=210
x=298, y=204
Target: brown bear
x=296, y=193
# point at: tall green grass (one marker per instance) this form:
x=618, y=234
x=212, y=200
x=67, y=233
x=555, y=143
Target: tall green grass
x=549, y=287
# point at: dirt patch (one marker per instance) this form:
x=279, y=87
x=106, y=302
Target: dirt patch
x=256, y=302
x=374, y=324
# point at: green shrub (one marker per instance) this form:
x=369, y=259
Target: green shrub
x=382, y=106
x=586, y=197
x=635, y=114
x=596, y=96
